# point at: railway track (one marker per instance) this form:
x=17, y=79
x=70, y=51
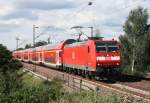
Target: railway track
x=80, y=83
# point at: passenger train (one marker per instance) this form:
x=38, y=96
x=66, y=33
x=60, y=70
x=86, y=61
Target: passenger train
x=88, y=57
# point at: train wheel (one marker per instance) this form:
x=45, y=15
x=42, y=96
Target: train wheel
x=70, y=70
x=90, y=75
x=75, y=71
x=87, y=74
x=79, y=72
x=67, y=69
x=83, y=73
x=112, y=72
x=64, y=69
x=105, y=72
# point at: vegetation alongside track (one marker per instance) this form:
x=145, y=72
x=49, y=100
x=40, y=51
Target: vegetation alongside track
x=20, y=87
x=12, y=88
x=136, y=43
x=58, y=94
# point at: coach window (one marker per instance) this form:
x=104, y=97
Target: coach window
x=60, y=53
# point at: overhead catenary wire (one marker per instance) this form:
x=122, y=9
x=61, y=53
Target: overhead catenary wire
x=75, y=13
x=83, y=6
x=23, y=41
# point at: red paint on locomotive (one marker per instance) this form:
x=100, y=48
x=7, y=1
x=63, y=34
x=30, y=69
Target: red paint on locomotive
x=92, y=55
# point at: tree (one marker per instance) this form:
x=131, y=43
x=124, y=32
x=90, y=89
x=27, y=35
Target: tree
x=6, y=61
x=5, y=56
x=97, y=33
x=40, y=43
x=28, y=46
x=8, y=68
x=126, y=52
x=134, y=41
x=12, y=89
x=49, y=40
x=20, y=49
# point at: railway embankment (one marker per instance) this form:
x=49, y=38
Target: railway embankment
x=79, y=84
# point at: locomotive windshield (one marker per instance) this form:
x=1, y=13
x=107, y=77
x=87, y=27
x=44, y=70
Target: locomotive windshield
x=112, y=49
x=106, y=46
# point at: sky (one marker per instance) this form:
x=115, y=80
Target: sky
x=55, y=18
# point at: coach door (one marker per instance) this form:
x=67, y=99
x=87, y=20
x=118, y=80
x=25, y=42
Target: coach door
x=57, y=58
x=40, y=56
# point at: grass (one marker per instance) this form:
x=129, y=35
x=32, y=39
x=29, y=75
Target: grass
x=30, y=80
x=59, y=95
x=92, y=97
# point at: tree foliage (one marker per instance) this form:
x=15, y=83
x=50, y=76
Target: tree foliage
x=28, y=46
x=8, y=71
x=97, y=33
x=135, y=41
x=20, y=49
x=40, y=43
x=7, y=64
x=12, y=89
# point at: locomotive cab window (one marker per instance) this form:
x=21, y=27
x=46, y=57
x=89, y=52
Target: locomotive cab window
x=112, y=49
x=100, y=49
x=106, y=46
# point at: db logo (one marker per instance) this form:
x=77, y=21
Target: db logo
x=108, y=58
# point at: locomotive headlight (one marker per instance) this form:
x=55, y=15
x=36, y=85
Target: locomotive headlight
x=117, y=63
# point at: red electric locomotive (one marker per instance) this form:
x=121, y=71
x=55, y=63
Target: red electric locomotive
x=91, y=56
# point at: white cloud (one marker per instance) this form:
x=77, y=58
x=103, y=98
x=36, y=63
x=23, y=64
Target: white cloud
x=5, y=9
x=45, y=4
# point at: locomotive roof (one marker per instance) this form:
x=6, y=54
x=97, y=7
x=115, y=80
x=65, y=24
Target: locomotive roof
x=76, y=44
x=105, y=40
x=58, y=45
x=81, y=43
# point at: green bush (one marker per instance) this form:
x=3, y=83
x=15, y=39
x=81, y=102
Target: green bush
x=56, y=89
x=37, y=94
x=12, y=89
x=93, y=97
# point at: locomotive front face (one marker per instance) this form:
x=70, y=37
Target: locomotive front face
x=107, y=54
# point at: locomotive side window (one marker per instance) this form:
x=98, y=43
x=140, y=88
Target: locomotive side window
x=88, y=49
